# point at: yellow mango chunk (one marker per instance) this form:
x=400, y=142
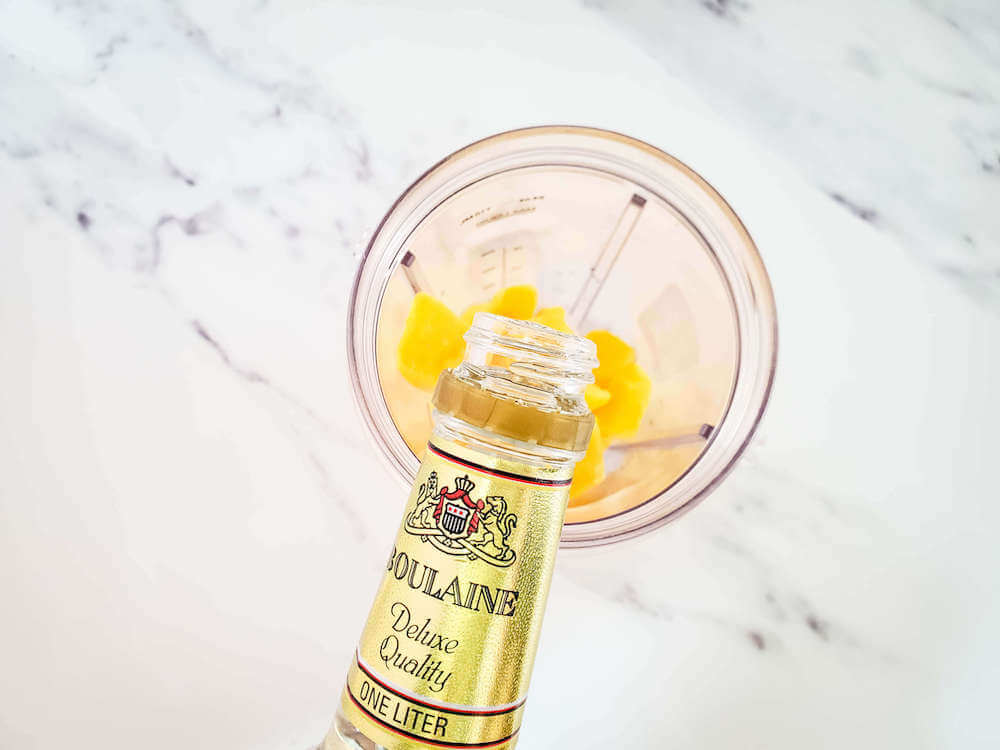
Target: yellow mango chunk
x=499, y=360
x=517, y=302
x=595, y=396
x=470, y=312
x=590, y=470
x=431, y=341
x=613, y=354
x=630, y=390
x=553, y=317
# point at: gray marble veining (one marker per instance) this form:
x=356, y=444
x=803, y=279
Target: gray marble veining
x=192, y=519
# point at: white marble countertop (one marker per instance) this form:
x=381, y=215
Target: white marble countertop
x=186, y=556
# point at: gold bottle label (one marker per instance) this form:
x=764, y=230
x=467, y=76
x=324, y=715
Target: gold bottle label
x=446, y=655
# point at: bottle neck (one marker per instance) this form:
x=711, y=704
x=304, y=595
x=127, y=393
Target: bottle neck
x=518, y=393
x=484, y=443
x=527, y=362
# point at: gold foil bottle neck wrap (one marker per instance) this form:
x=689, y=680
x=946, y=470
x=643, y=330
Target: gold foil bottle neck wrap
x=445, y=657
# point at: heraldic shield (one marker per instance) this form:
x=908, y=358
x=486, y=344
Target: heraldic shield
x=455, y=520
x=456, y=524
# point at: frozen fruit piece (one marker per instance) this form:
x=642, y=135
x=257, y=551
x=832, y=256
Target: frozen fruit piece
x=596, y=397
x=431, y=341
x=630, y=390
x=553, y=317
x=499, y=360
x=470, y=312
x=613, y=354
x=590, y=470
x=515, y=302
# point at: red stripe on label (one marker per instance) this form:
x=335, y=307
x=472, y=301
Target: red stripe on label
x=497, y=472
x=435, y=706
x=435, y=743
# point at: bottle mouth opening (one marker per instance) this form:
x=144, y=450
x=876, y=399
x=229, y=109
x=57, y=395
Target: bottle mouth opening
x=530, y=349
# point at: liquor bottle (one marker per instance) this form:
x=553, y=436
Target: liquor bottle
x=445, y=657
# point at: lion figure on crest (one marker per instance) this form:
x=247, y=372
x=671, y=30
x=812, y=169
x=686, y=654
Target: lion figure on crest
x=484, y=525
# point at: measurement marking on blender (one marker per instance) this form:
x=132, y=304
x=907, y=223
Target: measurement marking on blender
x=474, y=214
x=505, y=215
x=601, y=268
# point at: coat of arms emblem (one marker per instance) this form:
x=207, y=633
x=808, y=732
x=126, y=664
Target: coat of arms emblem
x=456, y=524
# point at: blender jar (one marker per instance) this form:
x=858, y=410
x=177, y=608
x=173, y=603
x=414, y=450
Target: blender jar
x=627, y=239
